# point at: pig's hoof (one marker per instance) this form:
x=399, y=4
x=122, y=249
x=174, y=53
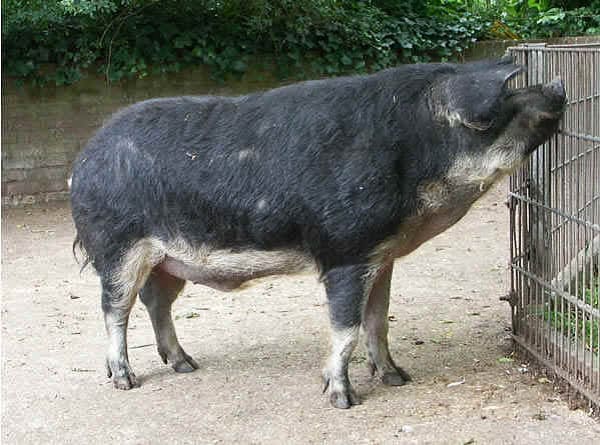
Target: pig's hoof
x=343, y=396
x=127, y=381
x=405, y=375
x=185, y=364
x=123, y=377
x=392, y=375
x=344, y=399
x=163, y=356
x=393, y=379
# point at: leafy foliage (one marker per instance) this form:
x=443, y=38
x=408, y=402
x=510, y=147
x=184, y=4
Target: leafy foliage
x=536, y=18
x=58, y=40
x=572, y=321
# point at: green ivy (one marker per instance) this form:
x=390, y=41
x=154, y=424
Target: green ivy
x=59, y=41
x=534, y=19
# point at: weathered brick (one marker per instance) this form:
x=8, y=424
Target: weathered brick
x=19, y=188
x=13, y=175
x=43, y=129
x=8, y=137
x=11, y=164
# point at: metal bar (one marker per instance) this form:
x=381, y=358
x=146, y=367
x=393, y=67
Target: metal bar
x=583, y=137
x=555, y=223
x=582, y=388
x=561, y=293
x=576, y=157
x=552, y=49
x=583, y=99
x=588, y=204
x=575, y=45
x=571, y=218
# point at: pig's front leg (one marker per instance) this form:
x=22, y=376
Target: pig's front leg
x=375, y=325
x=347, y=288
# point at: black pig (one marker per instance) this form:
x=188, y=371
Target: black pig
x=342, y=175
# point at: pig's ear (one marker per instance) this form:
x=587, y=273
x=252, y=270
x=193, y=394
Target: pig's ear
x=471, y=97
x=506, y=59
x=507, y=68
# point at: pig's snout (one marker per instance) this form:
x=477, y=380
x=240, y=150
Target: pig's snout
x=556, y=88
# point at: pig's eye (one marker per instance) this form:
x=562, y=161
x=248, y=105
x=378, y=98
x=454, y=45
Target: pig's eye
x=547, y=120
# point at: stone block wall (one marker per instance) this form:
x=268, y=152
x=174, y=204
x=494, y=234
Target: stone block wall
x=43, y=128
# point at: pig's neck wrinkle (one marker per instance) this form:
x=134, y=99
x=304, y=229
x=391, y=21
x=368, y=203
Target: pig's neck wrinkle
x=416, y=230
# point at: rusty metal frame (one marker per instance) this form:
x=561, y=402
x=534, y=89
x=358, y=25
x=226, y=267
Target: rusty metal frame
x=554, y=202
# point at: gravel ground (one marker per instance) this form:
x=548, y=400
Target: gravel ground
x=261, y=350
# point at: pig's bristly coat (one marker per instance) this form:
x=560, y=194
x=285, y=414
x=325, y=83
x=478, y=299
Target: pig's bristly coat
x=341, y=175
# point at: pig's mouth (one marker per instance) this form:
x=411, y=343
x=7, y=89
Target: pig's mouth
x=555, y=90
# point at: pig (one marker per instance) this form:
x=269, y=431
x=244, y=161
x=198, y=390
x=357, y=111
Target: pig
x=340, y=176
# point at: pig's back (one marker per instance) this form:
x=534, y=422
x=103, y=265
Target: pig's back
x=287, y=166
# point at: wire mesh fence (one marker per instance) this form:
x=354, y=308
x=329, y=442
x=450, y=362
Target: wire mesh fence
x=554, y=205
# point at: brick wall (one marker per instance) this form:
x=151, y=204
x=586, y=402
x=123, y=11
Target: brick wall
x=43, y=129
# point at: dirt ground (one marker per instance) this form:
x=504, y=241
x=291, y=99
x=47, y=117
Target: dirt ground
x=261, y=351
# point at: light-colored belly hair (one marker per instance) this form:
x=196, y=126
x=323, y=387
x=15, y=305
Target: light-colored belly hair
x=443, y=202
x=224, y=269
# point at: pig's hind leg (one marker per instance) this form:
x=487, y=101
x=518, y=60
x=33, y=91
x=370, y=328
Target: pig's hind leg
x=375, y=325
x=158, y=294
x=117, y=302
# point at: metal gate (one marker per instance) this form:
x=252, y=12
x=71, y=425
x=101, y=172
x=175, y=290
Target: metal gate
x=554, y=205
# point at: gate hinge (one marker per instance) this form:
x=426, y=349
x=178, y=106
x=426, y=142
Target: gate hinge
x=510, y=298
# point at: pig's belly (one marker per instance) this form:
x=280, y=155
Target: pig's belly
x=416, y=231
x=226, y=270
